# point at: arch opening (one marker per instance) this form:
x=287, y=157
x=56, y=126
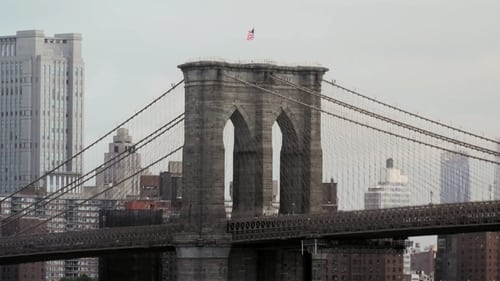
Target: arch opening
x=239, y=167
x=291, y=190
x=277, y=141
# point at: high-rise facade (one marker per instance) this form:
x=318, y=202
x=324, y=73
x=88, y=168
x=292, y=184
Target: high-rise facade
x=469, y=256
x=391, y=191
x=79, y=215
x=41, y=109
x=455, y=178
x=374, y=262
x=121, y=168
x=454, y=188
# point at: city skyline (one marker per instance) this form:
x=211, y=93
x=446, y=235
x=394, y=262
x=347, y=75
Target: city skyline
x=440, y=62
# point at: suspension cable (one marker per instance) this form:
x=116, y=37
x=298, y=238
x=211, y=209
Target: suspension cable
x=359, y=123
x=166, y=127
x=99, y=193
x=95, y=142
x=335, y=84
x=390, y=120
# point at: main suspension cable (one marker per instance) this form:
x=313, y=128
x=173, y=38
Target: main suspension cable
x=99, y=193
x=390, y=120
x=335, y=84
x=359, y=123
x=94, y=143
x=148, y=139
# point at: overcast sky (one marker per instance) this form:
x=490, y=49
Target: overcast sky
x=438, y=58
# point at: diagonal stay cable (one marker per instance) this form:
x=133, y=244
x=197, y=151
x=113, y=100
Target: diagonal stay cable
x=101, y=192
x=165, y=128
x=152, y=136
x=158, y=132
x=390, y=120
x=335, y=84
x=358, y=123
x=95, y=142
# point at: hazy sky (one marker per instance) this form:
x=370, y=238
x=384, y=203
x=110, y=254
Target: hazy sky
x=438, y=58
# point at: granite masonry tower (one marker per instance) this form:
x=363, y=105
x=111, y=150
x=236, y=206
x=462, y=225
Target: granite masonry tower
x=212, y=97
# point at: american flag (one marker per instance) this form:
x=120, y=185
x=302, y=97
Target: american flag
x=250, y=34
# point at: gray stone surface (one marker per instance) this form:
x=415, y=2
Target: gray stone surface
x=212, y=98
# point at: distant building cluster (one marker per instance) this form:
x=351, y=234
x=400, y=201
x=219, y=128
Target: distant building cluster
x=41, y=126
x=469, y=256
x=77, y=216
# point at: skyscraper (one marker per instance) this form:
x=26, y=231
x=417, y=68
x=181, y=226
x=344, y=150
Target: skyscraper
x=454, y=188
x=391, y=191
x=377, y=263
x=121, y=163
x=41, y=109
x=455, y=178
x=470, y=256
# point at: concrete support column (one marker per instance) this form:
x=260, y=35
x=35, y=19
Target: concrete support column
x=318, y=267
x=202, y=263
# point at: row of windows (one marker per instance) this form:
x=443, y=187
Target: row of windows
x=21, y=145
x=35, y=145
x=10, y=68
x=18, y=80
x=16, y=113
x=62, y=70
x=57, y=41
x=30, y=113
x=13, y=91
x=16, y=178
x=8, y=50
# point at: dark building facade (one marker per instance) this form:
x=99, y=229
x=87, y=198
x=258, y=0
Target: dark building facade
x=140, y=266
x=471, y=256
x=365, y=264
x=149, y=187
x=171, y=182
x=423, y=261
x=330, y=196
x=25, y=271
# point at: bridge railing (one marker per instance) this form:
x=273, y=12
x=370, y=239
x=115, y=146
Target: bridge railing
x=404, y=220
x=88, y=240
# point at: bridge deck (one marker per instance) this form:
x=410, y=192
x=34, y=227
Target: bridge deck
x=365, y=224
x=84, y=243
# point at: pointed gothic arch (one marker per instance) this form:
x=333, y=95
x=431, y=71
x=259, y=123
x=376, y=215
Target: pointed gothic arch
x=291, y=187
x=244, y=160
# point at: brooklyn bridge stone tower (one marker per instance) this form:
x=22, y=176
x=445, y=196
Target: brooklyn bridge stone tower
x=214, y=95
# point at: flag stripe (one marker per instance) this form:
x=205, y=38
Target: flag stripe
x=250, y=34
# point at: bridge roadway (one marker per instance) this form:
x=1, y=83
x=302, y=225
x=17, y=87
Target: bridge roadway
x=364, y=224
x=367, y=224
x=85, y=243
